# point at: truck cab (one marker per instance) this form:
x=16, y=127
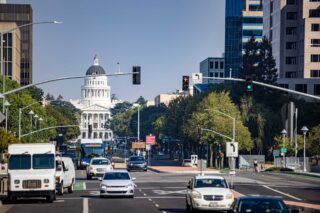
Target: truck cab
x=31, y=170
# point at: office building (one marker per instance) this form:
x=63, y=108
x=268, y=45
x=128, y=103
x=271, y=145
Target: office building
x=212, y=67
x=20, y=14
x=243, y=20
x=293, y=27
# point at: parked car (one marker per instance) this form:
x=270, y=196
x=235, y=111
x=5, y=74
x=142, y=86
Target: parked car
x=187, y=162
x=208, y=193
x=137, y=163
x=97, y=167
x=117, y=183
x=65, y=174
x=261, y=204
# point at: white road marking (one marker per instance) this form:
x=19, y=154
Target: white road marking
x=157, y=205
x=154, y=197
x=169, y=187
x=150, y=199
x=144, y=194
x=163, y=192
x=285, y=194
x=84, y=186
x=59, y=201
x=85, y=205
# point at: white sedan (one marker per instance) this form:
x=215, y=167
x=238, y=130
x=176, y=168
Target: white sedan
x=97, y=167
x=208, y=193
x=117, y=183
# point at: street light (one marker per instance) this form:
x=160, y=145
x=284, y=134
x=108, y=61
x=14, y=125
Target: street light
x=6, y=105
x=284, y=133
x=31, y=113
x=304, y=130
x=40, y=120
x=20, y=112
x=1, y=50
x=36, y=120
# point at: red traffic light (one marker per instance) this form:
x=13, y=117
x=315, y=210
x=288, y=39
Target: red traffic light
x=185, y=83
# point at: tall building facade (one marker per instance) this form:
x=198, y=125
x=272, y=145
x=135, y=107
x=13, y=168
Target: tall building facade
x=244, y=19
x=20, y=14
x=212, y=67
x=293, y=27
x=95, y=104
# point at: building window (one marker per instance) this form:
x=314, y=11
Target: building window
x=292, y=2
x=271, y=7
x=250, y=20
x=252, y=33
x=221, y=65
x=291, y=45
x=216, y=65
x=83, y=135
x=315, y=58
x=255, y=7
x=291, y=30
x=315, y=42
x=95, y=135
x=315, y=13
x=292, y=15
x=314, y=0
x=291, y=60
x=221, y=74
x=100, y=135
x=315, y=27
x=302, y=88
x=216, y=74
x=291, y=75
x=284, y=86
x=211, y=74
x=316, y=89
x=211, y=65
x=315, y=73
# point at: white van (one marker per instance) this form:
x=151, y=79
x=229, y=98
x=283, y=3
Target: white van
x=31, y=170
x=65, y=174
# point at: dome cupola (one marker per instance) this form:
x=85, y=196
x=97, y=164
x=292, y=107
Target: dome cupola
x=96, y=69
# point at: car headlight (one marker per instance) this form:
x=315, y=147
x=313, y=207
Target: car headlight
x=16, y=181
x=46, y=180
x=229, y=196
x=103, y=187
x=196, y=195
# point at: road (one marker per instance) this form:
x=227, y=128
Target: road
x=161, y=192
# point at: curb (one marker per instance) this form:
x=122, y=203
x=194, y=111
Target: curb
x=184, y=172
x=295, y=173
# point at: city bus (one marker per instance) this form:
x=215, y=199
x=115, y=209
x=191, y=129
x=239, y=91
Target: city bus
x=90, y=148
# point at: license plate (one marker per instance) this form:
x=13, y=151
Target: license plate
x=213, y=204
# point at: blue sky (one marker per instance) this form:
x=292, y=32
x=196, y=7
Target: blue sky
x=167, y=38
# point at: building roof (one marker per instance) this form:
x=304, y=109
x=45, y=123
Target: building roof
x=96, y=69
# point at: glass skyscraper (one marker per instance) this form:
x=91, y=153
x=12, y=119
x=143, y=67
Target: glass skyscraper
x=244, y=19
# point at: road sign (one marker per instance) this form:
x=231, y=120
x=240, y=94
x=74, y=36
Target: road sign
x=197, y=78
x=232, y=149
x=276, y=153
x=138, y=145
x=148, y=147
x=2, y=117
x=284, y=150
x=150, y=140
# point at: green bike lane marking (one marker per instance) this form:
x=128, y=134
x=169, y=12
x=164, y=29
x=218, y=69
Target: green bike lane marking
x=79, y=186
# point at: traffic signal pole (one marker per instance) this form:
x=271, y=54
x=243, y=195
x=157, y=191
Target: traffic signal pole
x=267, y=85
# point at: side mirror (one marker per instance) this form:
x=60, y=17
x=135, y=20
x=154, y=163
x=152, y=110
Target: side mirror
x=100, y=178
x=133, y=179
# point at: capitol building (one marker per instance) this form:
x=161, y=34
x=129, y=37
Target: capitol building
x=95, y=104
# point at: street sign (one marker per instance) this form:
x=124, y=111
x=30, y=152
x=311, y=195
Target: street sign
x=2, y=117
x=284, y=150
x=276, y=153
x=138, y=145
x=232, y=149
x=148, y=147
x=197, y=78
x=150, y=140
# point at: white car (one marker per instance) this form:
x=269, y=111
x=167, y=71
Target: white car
x=65, y=174
x=97, y=167
x=208, y=193
x=117, y=183
x=187, y=162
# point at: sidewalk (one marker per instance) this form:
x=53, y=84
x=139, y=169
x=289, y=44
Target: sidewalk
x=181, y=170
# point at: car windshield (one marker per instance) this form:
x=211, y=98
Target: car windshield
x=262, y=205
x=136, y=159
x=43, y=161
x=116, y=176
x=19, y=162
x=210, y=182
x=100, y=162
x=93, y=151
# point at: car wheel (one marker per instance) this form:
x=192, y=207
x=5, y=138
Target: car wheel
x=70, y=188
x=11, y=198
x=101, y=196
x=191, y=208
x=131, y=196
x=60, y=189
x=51, y=198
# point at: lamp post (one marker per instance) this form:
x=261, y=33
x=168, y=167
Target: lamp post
x=31, y=113
x=6, y=105
x=1, y=50
x=304, y=130
x=20, y=112
x=36, y=116
x=284, y=133
x=40, y=120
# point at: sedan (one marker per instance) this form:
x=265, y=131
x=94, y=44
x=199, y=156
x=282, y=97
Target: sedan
x=117, y=183
x=137, y=163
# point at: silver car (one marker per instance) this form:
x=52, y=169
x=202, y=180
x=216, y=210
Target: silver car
x=117, y=183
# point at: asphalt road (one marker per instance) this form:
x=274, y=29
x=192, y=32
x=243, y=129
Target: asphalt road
x=157, y=192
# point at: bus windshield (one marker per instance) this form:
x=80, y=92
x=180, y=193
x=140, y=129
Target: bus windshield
x=43, y=161
x=20, y=162
x=90, y=152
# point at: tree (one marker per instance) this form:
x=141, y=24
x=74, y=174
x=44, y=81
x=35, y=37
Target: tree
x=313, y=143
x=59, y=98
x=141, y=101
x=36, y=93
x=121, y=108
x=49, y=97
x=114, y=97
x=6, y=139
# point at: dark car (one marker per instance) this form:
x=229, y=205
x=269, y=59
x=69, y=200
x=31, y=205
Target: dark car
x=137, y=163
x=261, y=204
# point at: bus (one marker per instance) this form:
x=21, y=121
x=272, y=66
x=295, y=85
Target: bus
x=90, y=148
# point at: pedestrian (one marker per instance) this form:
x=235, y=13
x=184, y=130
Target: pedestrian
x=255, y=165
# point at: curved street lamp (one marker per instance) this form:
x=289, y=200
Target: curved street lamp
x=304, y=130
x=6, y=106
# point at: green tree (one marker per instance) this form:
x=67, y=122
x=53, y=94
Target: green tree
x=313, y=142
x=121, y=108
x=141, y=101
x=6, y=139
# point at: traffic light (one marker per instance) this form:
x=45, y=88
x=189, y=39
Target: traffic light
x=136, y=75
x=185, y=83
x=249, y=85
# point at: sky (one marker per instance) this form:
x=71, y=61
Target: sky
x=167, y=38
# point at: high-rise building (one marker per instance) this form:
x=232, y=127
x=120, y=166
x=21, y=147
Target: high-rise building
x=20, y=14
x=243, y=20
x=212, y=67
x=293, y=27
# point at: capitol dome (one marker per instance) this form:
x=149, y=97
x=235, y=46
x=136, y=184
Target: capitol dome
x=95, y=69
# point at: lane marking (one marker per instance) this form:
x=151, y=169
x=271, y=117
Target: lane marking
x=85, y=205
x=84, y=186
x=157, y=205
x=285, y=194
x=150, y=199
x=95, y=197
